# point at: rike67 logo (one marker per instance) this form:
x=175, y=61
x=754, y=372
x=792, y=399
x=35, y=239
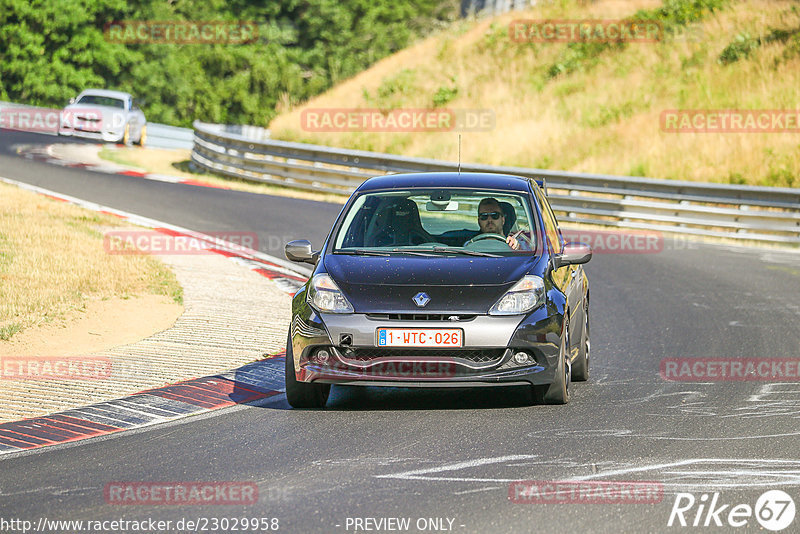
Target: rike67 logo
x=774, y=510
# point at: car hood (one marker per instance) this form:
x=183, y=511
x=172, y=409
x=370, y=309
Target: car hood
x=111, y=117
x=93, y=107
x=463, y=284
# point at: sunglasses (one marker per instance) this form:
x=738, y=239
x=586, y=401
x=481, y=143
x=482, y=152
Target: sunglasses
x=494, y=214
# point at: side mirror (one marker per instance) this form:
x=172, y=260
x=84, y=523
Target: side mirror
x=573, y=254
x=300, y=251
x=72, y=100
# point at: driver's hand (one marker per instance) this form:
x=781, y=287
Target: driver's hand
x=512, y=242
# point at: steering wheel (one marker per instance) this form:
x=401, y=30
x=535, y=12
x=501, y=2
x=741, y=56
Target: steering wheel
x=481, y=237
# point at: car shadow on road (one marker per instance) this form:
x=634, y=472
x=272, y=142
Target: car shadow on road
x=266, y=377
x=260, y=382
x=361, y=398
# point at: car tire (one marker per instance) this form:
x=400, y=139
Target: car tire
x=301, y=394
x=558, y=392
x=142, y=136
x=580, y=369
x=126, y=136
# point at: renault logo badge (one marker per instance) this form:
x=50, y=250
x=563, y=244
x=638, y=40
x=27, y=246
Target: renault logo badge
x=421, y=299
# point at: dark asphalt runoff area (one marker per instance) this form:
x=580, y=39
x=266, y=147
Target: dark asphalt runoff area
x=444, y=460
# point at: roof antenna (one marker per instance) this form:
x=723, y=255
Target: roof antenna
x=459, y=154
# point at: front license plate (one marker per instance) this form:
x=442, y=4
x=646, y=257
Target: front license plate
x=420, y=337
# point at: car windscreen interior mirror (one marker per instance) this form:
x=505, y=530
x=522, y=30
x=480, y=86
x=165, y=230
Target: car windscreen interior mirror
x=440, y=201
x=439, y=205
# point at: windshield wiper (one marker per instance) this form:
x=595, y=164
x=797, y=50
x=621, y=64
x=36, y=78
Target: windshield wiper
x=416, y=252
x=466, y=252
x=412, y=251
x=363, y=252
x=390, y=252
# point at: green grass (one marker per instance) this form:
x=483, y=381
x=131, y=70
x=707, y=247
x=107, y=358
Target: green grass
x=9, y=330
x=163, y=282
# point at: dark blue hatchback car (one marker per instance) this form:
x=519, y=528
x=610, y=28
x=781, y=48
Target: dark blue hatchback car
x=441, y=280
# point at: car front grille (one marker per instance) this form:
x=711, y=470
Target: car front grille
x=451, y=317
x=478, y=356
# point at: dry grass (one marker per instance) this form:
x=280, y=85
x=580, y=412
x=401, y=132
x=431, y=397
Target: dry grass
x=52, y=261
x=175, y=162
x=603, y=118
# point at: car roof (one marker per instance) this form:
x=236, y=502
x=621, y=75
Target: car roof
x=471, y=180
x=105, y=92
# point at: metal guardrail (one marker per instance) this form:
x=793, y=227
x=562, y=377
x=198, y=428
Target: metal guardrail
x=765, y=214
x=163, y=136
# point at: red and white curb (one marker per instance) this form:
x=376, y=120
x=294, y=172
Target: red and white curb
x=253, y=382
x=45, y=154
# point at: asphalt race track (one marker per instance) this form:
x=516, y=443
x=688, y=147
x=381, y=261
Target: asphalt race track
x=445, y=459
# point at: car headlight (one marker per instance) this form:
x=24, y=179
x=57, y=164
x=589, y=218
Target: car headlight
x=526, y=295
x=324, y=295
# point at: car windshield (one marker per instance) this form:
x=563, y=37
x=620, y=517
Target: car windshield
x=438, y=222
x=97, y=100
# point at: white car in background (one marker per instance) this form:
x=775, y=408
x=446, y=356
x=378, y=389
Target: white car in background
x=110, y=116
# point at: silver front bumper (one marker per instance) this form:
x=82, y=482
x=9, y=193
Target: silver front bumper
x=354, y=357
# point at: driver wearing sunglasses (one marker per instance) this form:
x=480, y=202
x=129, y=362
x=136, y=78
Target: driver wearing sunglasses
x=491, y=220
